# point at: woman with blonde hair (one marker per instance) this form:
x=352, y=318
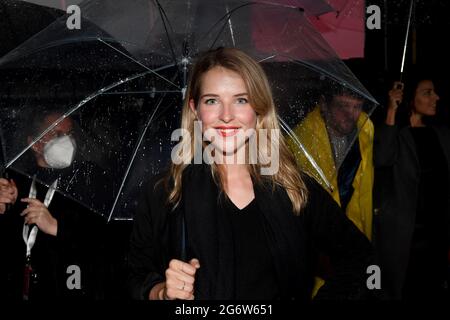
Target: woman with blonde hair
x=234, y=218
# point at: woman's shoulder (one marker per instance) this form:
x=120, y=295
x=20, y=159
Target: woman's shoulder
x=442, y=130
x=153, y=197
x=314, y=188
x=443, y=134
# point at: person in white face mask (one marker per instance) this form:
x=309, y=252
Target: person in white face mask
x=55, y=150
x=44, y=231
x=59, y=152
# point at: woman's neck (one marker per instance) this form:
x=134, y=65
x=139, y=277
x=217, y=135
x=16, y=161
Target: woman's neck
x=231, y=171
x=237, y=184
x=416, y=120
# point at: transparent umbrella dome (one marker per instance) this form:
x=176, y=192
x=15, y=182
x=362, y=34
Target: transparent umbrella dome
x=121, y=78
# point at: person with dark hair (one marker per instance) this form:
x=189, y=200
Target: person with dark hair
x=228, y=229
x=48, y=241
x=338, y=135
x=412, y=195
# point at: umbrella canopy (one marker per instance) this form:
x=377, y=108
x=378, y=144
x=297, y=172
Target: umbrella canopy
x=128, y=67
x=313, y=7
x=58, y=4
x=16, y=26
x=344, y=28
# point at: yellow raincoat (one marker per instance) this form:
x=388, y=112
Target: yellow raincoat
x=313, y=135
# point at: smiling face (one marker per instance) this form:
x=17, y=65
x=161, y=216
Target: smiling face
x=425, y=99
x=224, y=109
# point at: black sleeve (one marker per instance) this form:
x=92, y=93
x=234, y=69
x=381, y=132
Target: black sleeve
x=336, y=237
x=385, y=147
x=145, y=255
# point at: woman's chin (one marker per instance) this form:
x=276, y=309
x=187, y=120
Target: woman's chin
x=230, y=153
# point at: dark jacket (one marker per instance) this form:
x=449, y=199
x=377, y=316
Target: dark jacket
x=294, y=241
x=395, y=199
x=78, y=243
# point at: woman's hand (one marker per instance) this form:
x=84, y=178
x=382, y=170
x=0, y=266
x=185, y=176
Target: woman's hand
x=180, y=278
x=396, y=95
x=395, y=98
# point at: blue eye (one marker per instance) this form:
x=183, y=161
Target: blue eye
x=242, y=101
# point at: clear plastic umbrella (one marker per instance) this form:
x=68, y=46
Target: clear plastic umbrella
x=123, y=74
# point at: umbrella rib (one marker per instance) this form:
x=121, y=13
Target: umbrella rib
x=307, y=155
x=319, y=69
x=142, y=92
x=230, y=25
x=227, y=17
x=2, y=142
x=64, y=194
x=141, y=138
x=137, y=62
x=164, y=19
x=75, y=108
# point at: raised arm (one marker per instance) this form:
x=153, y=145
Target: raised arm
x=386, y=135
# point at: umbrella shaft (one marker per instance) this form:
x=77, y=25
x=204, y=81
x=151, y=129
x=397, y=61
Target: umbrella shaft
x=406, y=38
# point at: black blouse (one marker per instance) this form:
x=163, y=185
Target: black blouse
x=254, y=270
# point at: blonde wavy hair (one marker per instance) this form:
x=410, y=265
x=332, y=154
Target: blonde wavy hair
x=260, y=97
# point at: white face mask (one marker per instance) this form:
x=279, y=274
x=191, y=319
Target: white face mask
x=59, y=152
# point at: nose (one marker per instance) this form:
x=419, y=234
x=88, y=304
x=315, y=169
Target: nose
x=354, y=113
x=226, y=112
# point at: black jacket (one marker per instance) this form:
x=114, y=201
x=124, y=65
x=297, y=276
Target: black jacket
x=396, y=186
x=294, y=241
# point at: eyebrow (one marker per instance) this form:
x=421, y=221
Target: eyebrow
x=208, y=95
x=216, y=95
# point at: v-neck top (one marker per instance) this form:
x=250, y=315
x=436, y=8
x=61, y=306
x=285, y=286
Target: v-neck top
x=255, y=276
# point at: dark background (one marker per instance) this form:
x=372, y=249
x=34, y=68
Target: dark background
x=430, y=27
